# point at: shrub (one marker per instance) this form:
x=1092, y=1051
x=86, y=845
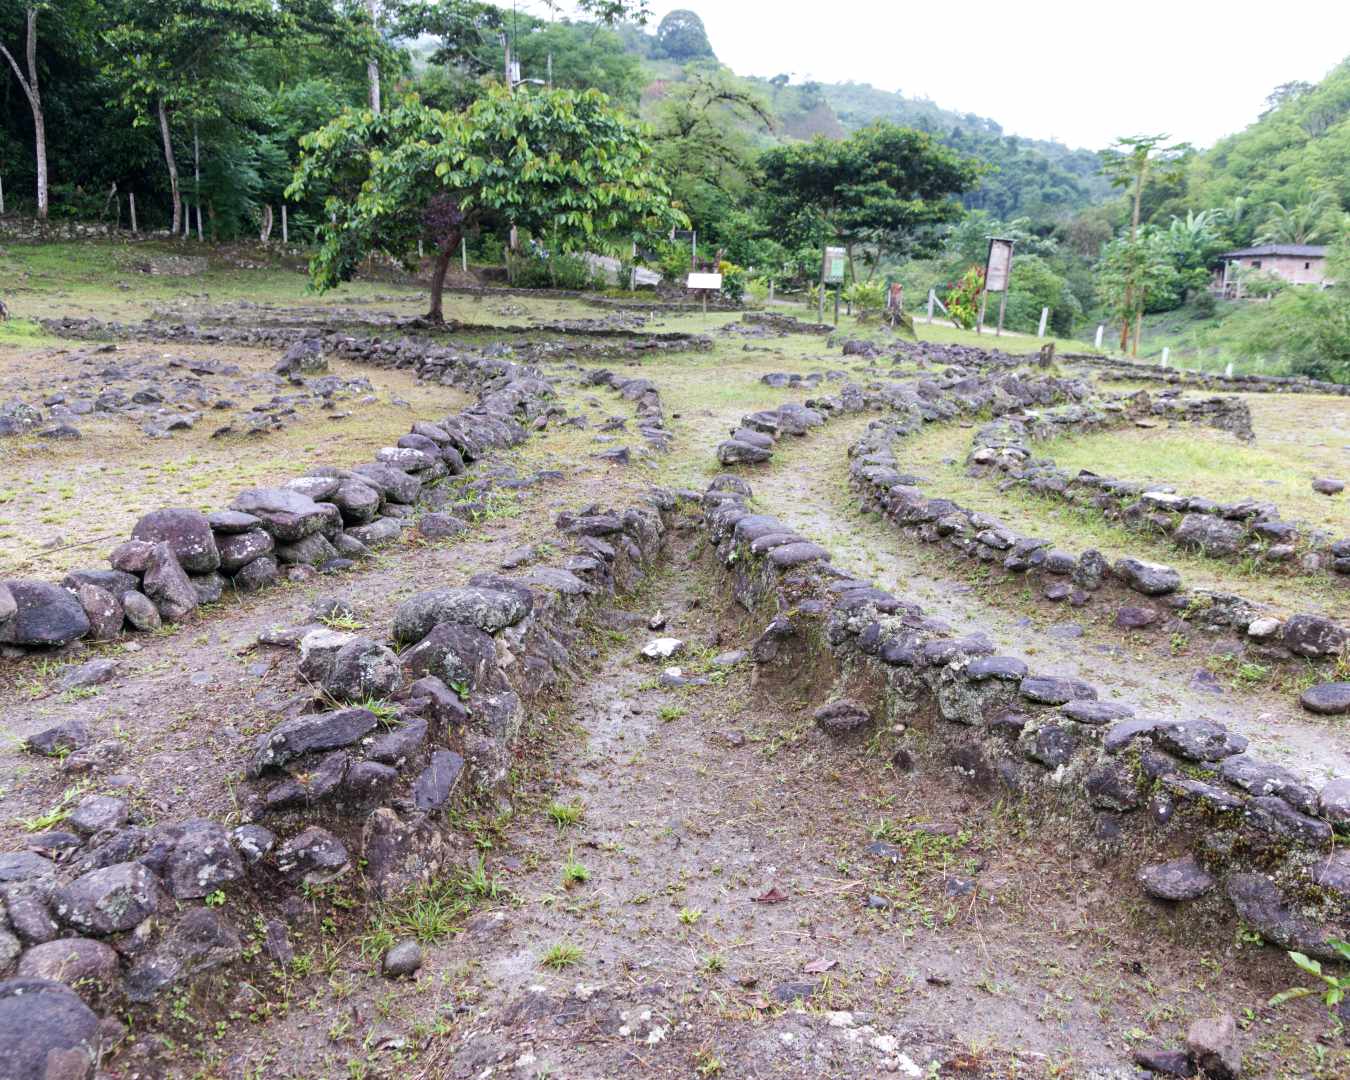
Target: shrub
x=963, y=298
x=867, y=298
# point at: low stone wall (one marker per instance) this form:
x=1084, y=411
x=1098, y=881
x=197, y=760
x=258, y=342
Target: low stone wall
x=1149, y=594
x=1115, y=368
x=126, y=910
x=1246, y=528
x=1239, y=833
x=646, y=400
x=177, y=559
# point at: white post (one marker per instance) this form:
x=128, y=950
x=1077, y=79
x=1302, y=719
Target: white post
x=2, y=194
x=463, y=254
x=1100, y=328
x=1045, y=314
x=931, y=297
x=285, y=226
x=199, y=223
x=1228, y=371
x=420, y=253
x=770, y=290
x=131, y=198
x=1166, y=352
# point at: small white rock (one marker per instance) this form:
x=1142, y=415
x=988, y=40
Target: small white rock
x=662, y=648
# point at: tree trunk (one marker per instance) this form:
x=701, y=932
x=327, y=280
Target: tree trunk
x=373, y=67
x=197, y=176
x=443, y=256
x=173, y=169
x=33, y=93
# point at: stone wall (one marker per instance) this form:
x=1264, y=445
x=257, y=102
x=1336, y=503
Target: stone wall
x=119, y=907
x=1240, y=833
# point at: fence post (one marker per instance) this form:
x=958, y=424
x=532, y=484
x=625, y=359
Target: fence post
x=285, y=226
x=463, y=254
x=1100, y=328
x=1166, y=352
x=2, y=194
x=1228, y=371
x=131, y=199
x=931, y=297
x=1045, y=314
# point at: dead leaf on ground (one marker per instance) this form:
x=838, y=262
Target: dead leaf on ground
x=773, y=896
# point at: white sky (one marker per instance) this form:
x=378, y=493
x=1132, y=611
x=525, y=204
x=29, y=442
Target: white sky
x=1083, y=72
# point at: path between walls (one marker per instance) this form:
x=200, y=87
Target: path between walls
x=812, y=496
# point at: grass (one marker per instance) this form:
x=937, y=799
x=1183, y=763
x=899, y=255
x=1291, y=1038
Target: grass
x=428, y=913
x=58, y=813
x=566, y=815
x=562, y=955
x=574, y=872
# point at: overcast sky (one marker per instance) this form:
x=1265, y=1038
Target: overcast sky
x=1080, y=72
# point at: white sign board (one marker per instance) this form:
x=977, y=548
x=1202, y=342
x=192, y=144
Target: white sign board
x=999, y=265
x=704, y=281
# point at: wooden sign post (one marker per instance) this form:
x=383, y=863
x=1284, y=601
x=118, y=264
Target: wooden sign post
x=704, y=284
x=997, y=272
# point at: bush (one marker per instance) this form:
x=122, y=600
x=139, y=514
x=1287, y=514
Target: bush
x=733, y=281
x=867, y=298
x=553, y=272
x=963, y=298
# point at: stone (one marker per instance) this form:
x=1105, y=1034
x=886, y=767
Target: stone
x=315, y=856
x=790, y=555
x=23, y=866
x=357, y=501
x=841, y=718
x=102, y=609
x=1327, y=699
x=110, y=900
x=363, y=668
x=1199, y=740
x=188, y=534
x=310, y=734
x=1260, y=905
x=1326, y=485
x=288, y=515
x=129, y=557
x=304, y=357
x=1112, y=786
x=1214, y=1047
x=167, y=585
x=402, y=960
x=1135, y=618
x=318, y=488
x=380, y=531
x=46, y=1032
x=664, y=648
x=1151, y=579
x=435, y=784
x=94, y=813
x=1164, y=1062
x=203, y=859
x=1333, y=873
x=201, y=940
x=1095, y=713
x=318, y=652
x=141, y=612
x=1212, y=535
x=399, y=854
x=1272, y=815
x=737, y=452
x=456, y=653
x=1090, y=570
x=1312, y=636
x=439, y=525
x=1262, y=778
x=90, y=673
x=368, y=781
x=253, y=842
x=1053, y=690
x=312, y=550
x=400, y=745
x=81, y=963
x=237, y=550
x=1001, y=668
x=1334, y=803
x=261, y=573
x=1180, y=879
x=65, y=737
x=229, y=522
x=1052, y=745
x=393, y=483
x=488, y=609
x=210, y=587
x=44, y=614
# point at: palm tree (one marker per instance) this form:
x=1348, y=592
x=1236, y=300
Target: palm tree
x=1306, y=223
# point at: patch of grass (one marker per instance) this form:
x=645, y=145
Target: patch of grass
x=574, y=872
x=58, y=813
x=562, y=955
x=566, y=815
x=690, y=915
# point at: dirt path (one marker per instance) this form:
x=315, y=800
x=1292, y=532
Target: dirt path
x=813, y=497
x=748, y=900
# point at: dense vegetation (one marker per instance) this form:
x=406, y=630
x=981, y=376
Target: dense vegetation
x=201, y=108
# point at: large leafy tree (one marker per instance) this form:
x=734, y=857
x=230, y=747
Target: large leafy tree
x=561, y=164
x=884, y=187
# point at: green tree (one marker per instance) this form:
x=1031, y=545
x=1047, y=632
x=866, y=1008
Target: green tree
x=561, y=164
x=1130, y=163
x=681, y=36
x=1311, y=221
x=885, y=188
x=1134, y=270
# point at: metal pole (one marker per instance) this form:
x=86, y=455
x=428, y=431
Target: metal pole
x=285, y=231
x=131, y=198
x=979, y=323
x=931, y=297
x=821, y=317
x=1002, y=306
x=2, y=194
x=463, y=254
x=836, y=305
x=1166, y=353
x=1045, y=314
